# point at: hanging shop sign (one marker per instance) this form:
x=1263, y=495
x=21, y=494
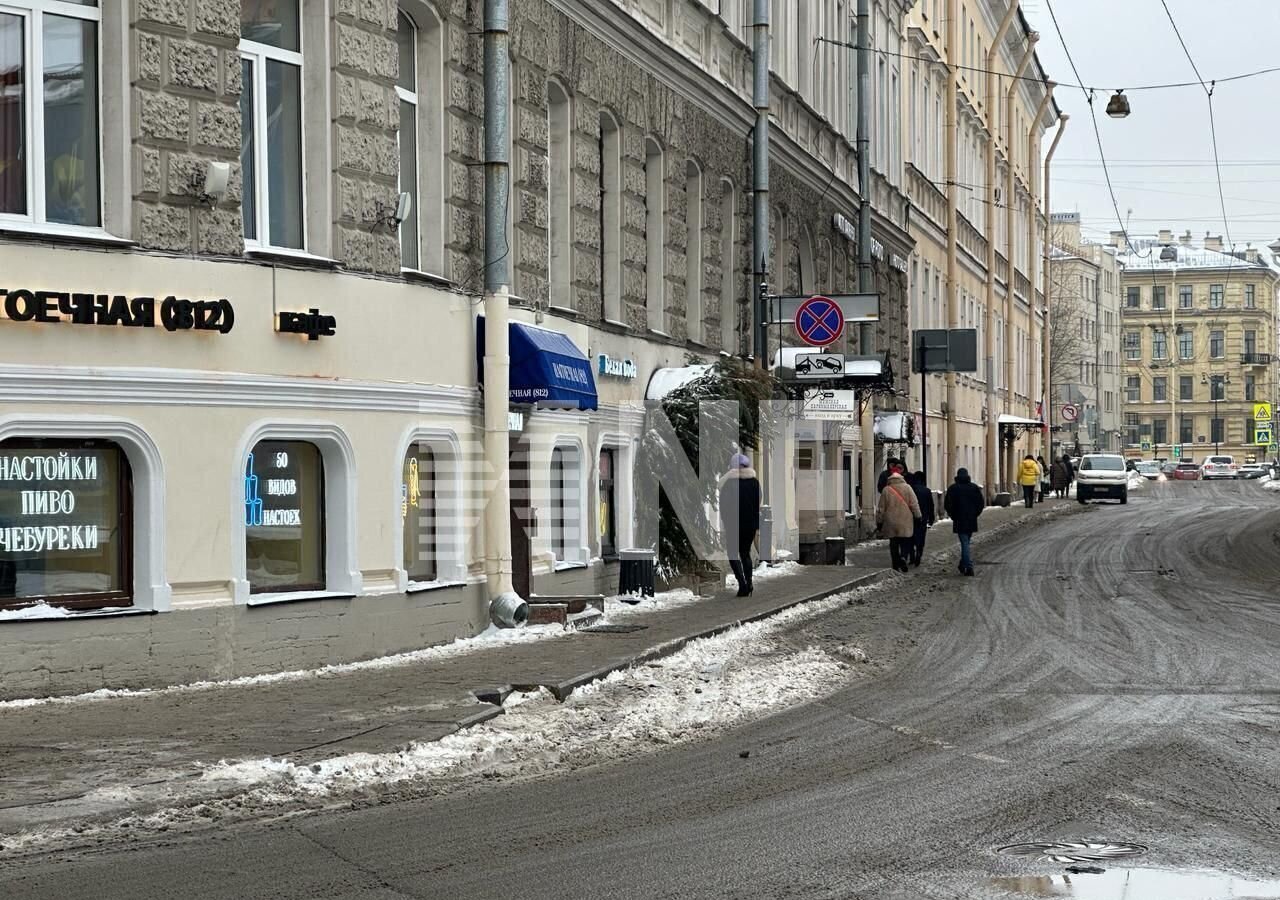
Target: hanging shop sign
x=116, y=310
x=616, y=368
x=312, y=323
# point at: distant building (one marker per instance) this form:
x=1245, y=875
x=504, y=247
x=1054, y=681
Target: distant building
x=1200, y=343
x=1084, y=331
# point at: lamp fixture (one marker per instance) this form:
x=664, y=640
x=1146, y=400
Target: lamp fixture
x=1118, y=105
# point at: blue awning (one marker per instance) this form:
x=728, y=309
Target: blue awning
x=547, y=368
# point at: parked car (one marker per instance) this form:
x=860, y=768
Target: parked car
x=1186, y=472
x=1219, y=467
x=1148, y=470
x=1102, y=475
x=1250, y=471
x=1168, y=467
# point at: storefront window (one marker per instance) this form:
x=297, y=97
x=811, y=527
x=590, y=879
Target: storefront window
x=65, y=524
x=418, y=508
x=284, y=517
x=608, y=505
x=564, y=503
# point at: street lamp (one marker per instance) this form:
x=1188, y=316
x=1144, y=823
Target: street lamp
x=1216, y=393
x=1118, y=105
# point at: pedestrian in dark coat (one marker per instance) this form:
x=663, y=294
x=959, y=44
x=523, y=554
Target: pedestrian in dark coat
x=740, y=518
x=1059, y=478
x=891, y=465
x=964, y=503
x=928, y=515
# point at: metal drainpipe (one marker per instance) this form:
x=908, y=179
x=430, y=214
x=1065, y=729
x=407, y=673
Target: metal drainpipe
x=866, y=273
x=1032, y=145
x=1046, y=347
x=497, y=283
x=989, y=314
x=760, y=248
x=1006, y=467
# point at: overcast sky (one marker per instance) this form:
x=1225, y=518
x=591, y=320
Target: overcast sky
x=1161, y=156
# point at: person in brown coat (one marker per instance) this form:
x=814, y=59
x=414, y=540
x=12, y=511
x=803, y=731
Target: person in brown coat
x=896, y=515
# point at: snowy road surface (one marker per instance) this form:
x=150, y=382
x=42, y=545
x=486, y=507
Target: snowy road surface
x=1111, y=675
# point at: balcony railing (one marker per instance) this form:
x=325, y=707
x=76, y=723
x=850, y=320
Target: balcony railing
x=1255, y=359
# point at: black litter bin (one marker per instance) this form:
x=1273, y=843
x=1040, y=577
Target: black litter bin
x=637, y=572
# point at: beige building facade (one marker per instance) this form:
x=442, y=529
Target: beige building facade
x=978, y=229
x=1199, y=338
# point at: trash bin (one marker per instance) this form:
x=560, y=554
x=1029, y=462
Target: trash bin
x=835, y=551
x=637, y=572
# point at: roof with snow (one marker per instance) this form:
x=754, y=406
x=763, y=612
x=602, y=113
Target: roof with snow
x=1145, y=254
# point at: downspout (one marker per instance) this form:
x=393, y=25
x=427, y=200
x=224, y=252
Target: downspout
x=989, y=317
x=760, y=244
x=1046, y=363
x=506, y=607
x=1010, y=183
x=866, y=273
x=1033, y=144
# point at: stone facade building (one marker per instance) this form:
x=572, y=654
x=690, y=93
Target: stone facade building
x=252, y=314
x=1200, y=342
x=1084, y=328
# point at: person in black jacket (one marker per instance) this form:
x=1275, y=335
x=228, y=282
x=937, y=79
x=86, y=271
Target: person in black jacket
x=964, y=504
x=928, y=515
x=740, y=518
x=891, y=465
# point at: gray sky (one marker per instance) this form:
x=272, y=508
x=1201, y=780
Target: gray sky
x=1161, y=156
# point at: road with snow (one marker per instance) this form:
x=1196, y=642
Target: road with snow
x=1111, y=674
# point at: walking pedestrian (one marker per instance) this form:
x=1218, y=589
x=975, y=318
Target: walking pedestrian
x=1059, y=478
x=896, y=514
x=1029, y=478
x=963, y=503
x=1044, y=477
x=891, y=465
x=740, y=518
x=928, y=516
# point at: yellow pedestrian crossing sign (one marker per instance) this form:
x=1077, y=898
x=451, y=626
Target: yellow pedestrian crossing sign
x=1262, y=412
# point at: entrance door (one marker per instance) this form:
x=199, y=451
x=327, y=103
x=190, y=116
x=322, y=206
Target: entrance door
x=522, y=520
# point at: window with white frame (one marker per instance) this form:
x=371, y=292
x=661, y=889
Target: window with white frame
x=559, y=196
x=271, y=124
x=407, y=93
x=50, y=153
x=284, y=517
x=419, y=511
x=693, y=251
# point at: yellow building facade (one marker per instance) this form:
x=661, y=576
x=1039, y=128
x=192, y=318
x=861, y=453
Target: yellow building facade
x=974, y=119
x=1199, y=346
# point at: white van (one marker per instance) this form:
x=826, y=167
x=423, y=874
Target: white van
x=1102, y=475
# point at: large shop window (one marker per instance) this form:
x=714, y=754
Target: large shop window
x=284, y=517
x=49, y=120
x=271, y=123
x=418, y=508
x=66, y=511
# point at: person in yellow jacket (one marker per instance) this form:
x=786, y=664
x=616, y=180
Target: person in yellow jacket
x=1029, y=478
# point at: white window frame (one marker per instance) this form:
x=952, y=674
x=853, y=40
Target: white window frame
x=260, y=54
x=32, y=12
x=404, y=95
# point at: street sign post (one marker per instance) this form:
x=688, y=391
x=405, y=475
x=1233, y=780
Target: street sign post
x=1263, y=436
x=830, y=406
x=819, y=321
x=819, y=366
x=1262, y=412
x=1070, y=412
x=1146, y=446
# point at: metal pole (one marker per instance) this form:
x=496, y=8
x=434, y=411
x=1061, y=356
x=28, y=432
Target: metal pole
x=760, y=242
x=497, y=283
x=866, y=273
x=1046, y=345
x=924, y=414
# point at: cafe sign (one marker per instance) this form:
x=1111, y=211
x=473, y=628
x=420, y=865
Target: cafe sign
x=616, y=368
x=117, y=310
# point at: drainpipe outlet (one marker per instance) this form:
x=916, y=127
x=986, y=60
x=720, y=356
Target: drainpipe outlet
x=508, y=610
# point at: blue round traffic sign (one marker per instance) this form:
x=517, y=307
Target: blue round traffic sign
x=819, y=321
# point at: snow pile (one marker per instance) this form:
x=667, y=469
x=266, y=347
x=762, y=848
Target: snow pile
x=39, y=611
x=1271, y=485
x=711, y=684
x=1136, y=480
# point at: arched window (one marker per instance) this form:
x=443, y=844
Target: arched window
x=728, y=267
x=407, y=92
x=66, y=523
x=655, y=203
x=284, y=517
x=693, y=251
x=610, y=217
x=559, y=196
x=419, y=511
